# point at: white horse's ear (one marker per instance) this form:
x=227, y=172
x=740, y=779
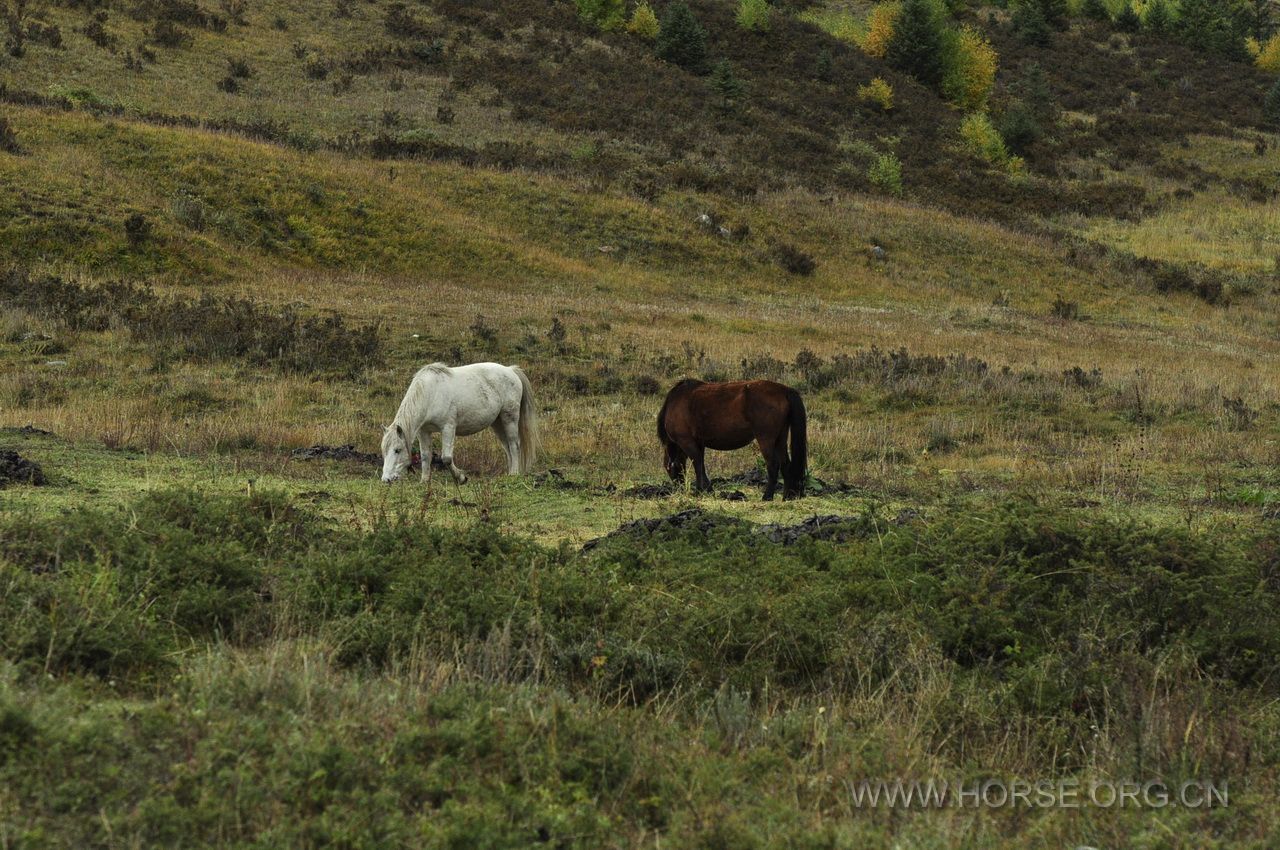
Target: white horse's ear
x=399, y=430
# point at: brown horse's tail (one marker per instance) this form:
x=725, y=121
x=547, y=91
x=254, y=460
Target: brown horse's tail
x=797, y=421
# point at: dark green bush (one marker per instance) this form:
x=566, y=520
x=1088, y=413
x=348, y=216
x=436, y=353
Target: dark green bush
x=210, y=328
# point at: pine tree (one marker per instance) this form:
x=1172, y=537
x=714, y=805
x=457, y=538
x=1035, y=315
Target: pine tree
x=917, y=43
x=1030, y=24
x=1055, y=12
x=726, y=84
x=1271, y=106
x=1096, y=9
x=681, y=39
x=1159, y=18
x=1128, y=20
x=1218, y=26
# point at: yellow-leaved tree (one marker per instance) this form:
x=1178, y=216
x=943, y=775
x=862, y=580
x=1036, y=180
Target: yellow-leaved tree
x=875, y=41
x=1268, y=58
x=970, y=70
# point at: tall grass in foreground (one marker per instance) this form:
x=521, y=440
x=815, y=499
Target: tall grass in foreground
x=218, y=670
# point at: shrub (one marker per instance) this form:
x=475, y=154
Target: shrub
x=96, y=31
x=753, y=15
x=983, y=141
x=209, y=328
x=1271, y=105
x=643, y=23
x=229, y=84
x=239, y=68
x=1064, y=310
x=885, y=173
x=917, y=43
x=880, y=28
x=1268, y=58
x=879, y=92
x=168, y=34
x=793, y=260
x=822, y=65
x=8, y=138
x=681, y=39
x=971, y=69
x=605, y=14
x=137, y=230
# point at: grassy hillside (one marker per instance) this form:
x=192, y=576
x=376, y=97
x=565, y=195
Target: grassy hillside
x=1043, y=401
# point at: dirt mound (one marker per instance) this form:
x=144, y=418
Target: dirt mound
x=15, y=469
x=336, y=453
x=830, y=527
x=694, y=518
x=555, y=480
x=29, y=431
x=833, y=527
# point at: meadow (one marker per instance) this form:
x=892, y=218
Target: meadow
x=1044, y=441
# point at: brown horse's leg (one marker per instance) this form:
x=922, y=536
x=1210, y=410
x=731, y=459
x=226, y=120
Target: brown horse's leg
x=773, y=460
x=698, y=456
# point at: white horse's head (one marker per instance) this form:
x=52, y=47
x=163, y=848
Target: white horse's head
x=396, y=453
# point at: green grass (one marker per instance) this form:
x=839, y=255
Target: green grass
x=1058, y=564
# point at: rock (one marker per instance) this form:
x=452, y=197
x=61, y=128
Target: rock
x=830, y=527
x=878, y=253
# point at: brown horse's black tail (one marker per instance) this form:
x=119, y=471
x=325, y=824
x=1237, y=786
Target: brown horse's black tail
x=797, y=421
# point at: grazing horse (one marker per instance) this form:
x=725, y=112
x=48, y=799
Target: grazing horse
x=458, y=402
x=698, y=415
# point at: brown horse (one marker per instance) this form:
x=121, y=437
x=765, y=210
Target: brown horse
x=725, y=416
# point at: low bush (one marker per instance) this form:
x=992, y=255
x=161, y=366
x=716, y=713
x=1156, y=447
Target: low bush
x=1011, y=586
x=208, y=328
x=754, y=15
x=885, y=173
x=981, y=139
x=878, y=92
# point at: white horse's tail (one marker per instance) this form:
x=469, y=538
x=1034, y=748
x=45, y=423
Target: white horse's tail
x=529, y=439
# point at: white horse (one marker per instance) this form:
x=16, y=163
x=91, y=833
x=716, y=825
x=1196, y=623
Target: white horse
x=458, y=402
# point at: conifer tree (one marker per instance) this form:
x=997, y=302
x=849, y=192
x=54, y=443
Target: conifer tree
x=681, y=39
x=917, y=43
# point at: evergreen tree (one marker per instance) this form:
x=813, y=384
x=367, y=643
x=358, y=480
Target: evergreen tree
x=1055, y=12
x=1159, y=18
x=1095, y=9
x=1218, y=26
x=726, y=84
x=1271, y=106
x=822, y=66
x=681, y=39
x=1128, y=20
x=917, y=43
x=1262, y=19
x=1030, y=24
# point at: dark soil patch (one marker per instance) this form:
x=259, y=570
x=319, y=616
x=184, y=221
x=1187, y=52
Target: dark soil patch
x=555, y=480
x=694, y=518
x=336, y=453
x=15, y=469
x=321, y=452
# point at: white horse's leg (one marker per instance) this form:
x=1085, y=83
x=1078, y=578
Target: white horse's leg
x=424, y=449
x=447, y=434
x=508, y=432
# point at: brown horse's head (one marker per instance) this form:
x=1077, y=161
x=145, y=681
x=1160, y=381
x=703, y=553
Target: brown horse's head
x=673, y=460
